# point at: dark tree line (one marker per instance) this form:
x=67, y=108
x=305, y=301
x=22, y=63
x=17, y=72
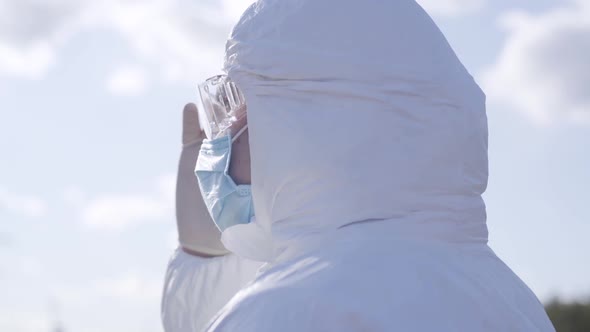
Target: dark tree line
x=569, y=316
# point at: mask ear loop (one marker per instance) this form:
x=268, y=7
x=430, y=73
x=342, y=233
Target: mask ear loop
x=233, y=139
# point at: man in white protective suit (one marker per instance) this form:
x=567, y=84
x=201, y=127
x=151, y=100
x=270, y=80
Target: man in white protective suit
x=349, y=196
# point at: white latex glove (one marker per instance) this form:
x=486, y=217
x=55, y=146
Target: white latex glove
x=197, y=233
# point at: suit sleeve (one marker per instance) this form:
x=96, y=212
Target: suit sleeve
x=196, y=288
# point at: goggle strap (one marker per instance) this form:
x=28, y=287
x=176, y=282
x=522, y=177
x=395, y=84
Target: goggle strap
x=235, y=137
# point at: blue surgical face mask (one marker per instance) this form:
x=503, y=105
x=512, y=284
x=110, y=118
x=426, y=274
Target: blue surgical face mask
x=228, y=204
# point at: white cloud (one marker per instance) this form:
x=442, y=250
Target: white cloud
x=24, y=21
x=166, y=185
x=29, y=61
x=543, y=69
x=235, y=8
x=74, y=196
x=120, y=211
x=183, y=38
x=22, y=204
x=172, y=240
x=117, y=212
x=30, y=32
x=25, y=322
x=452, y=7
x=130, y=299
x=180, y=37
x=128, y=81
x=130, y=287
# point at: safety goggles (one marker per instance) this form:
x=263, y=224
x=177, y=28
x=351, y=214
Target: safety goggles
x=222, y=108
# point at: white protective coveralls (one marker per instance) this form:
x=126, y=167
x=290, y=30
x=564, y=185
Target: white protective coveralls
x=368, y=144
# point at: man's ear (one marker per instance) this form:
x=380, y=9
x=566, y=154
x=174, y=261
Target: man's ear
x=191, y=128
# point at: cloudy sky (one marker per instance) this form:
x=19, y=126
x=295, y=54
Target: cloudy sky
x=91, y=94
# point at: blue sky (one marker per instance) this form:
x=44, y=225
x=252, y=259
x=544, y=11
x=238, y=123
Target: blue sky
x=90, y=112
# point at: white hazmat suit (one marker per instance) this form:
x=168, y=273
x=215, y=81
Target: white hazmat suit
x=368, y=144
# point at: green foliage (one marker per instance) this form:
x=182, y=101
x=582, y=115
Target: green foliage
x=569, y=317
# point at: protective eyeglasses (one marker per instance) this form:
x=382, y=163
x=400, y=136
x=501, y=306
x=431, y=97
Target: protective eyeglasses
x=222, y=108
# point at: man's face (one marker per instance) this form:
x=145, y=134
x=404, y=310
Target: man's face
x=239, y=165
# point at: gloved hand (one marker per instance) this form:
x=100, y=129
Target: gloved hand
x=198, y=235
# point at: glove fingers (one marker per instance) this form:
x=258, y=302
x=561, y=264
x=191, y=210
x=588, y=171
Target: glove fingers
x=191, y=128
